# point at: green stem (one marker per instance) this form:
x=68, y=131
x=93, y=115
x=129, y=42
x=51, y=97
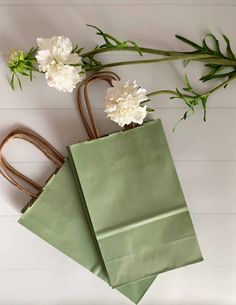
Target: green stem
x=159, y=92
x=201, y=57
x=197, y=56
x=132, y=49
x=225, y=83
x=171, y=92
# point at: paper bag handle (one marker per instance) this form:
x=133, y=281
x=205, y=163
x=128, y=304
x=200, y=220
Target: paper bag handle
x=82, y=94
x=11, y=174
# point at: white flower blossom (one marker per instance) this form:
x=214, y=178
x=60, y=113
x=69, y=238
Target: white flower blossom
x=56, y=61
x=64, y=78
x=122, y=103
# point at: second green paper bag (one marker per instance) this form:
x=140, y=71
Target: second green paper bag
x=55, y=212
x=57, y=216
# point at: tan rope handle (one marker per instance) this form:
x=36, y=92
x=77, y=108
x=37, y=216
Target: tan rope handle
x=11, y=174
x=82, y=93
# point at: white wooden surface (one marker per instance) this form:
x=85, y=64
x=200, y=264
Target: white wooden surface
x=34, y=273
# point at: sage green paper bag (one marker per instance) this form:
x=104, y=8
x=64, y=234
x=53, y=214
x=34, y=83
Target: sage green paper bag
x=133, y=199
x=57, y=215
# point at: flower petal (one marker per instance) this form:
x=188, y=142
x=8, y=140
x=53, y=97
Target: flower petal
x=61, y=48
x=43, y=43
x=73, y=59
x=44, y=58
x=64, y=78
x=122, y=103
x=139, y=115
x=54, y=57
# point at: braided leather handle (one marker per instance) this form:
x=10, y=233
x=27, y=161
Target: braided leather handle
x=14, y=176
x=91, y=128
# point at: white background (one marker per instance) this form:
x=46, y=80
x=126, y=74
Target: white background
x=34, y=273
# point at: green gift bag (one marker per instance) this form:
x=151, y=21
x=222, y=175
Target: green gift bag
x=55, y=212
x=131, y=194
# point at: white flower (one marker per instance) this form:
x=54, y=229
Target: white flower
x=55, y=50
x=122, y=103
x=55, y=59
x=63, y=77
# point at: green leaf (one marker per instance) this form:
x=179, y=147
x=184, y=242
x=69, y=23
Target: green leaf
x=79, y=50
x=191, y=100
x=107, y=37
x=147, y=100
x=19, y=81
x=34, y=69
x=230, y=53
x=150, y=109
x=12, y=81
x=74, y=49
x=216, y=50
x=21, y=55
x=189, y=42
x=187, y=83
x=186, y=62
x=184, y=117
x=100, y=32
x=135, y=46
x=24, y=64
x=32, y=52
x=31, y=75
x=204, y=101
x=216, y=76
x=209, y=75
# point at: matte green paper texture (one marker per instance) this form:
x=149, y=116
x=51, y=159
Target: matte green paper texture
x=57, y=216
x=131, y=193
